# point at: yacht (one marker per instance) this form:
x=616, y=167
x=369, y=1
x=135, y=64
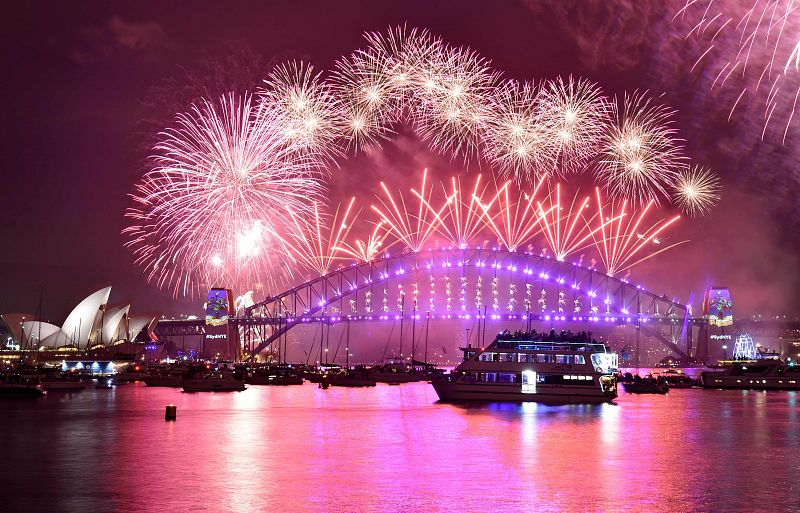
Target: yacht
x=394, y=371
x=526, y=369
x=167, y=376
x=278, y=375
x=13, y=384
x=214, y=381
x=61, y=381
x=357, y=377
x=767, y=374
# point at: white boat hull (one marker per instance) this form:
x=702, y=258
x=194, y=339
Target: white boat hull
x=750, y=383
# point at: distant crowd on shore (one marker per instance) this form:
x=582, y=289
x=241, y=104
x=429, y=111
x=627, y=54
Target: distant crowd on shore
x=563, y=336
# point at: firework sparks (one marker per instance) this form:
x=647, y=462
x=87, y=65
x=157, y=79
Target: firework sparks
x=305, y=107
x=413, y=230
x=368, y=249
x=513, y=216
x=516, y=140
x=574, y=113
x=627, y=238
x=463, y=219
x=568, y=229
x=754, y=46
x=316, y=243
x=209, y=212
x=452, y=92
x=697, y=191
x=641, y=156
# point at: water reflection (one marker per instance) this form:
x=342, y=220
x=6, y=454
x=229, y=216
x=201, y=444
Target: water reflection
x=397, y=449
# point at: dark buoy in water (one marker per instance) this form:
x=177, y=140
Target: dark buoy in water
x=171, y=413
x=325, y=382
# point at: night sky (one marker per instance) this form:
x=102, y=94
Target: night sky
x=87, y=85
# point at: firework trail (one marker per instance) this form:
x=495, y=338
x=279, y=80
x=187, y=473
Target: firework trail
x=368, y=249
x=463, y=219
x=697, y=191
x=626, y=237
x=513, y=216
x=640, y=155
x=210, y=211
x=566, y=227
x=315, y=242
x=413, y=230
x=753, y=47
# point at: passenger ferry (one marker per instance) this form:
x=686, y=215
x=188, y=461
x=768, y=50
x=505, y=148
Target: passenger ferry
x=525, y=369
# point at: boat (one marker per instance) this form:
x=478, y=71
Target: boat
x=357, y=377
x=395, y=371
x=169, y=376
x=214, y=381
x=61, y=381
x=646, y=385
x=104, y=382
x=16, y=385
x=767, y=374
x=274, y=376
x=677, y=379
x=528, y=368
x=133, y=372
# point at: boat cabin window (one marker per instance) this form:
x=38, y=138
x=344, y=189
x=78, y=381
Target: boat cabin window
x=486, y=357
x=508, y=357
x=468, y=354
x=563, y=358
x=506, y=377
x=527, y=358
x=579, y=359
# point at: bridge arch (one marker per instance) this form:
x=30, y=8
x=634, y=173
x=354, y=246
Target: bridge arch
x=453, y=283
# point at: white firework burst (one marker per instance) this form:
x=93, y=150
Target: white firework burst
x=697, y=191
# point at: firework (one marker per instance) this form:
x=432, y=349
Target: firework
x=463, y=218
x=211, y=210
x=516, y=141
x=640, y=155
x=567, y=228
x=452, y=92
x=413, y=230
x=305, y=107
x=755, y=47
x=512, y=215
x=315, y=242
x=697, y=191
x=573, y=112
x=626, y=238
x=368, y=249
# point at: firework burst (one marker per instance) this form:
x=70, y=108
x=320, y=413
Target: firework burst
x=753, y=46
x=626, y=237
x=210, y=211
x=411, y=229
x=574, y=112
x=512, y=215
x=306, y=109
x=516, y=141
x=367, y=249
x=640, y=155
x=463, y=217
x=697, y=191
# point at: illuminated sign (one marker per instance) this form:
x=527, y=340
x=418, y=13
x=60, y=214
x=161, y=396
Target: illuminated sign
x=720, y=307
x=218, y=307
x=720, y=337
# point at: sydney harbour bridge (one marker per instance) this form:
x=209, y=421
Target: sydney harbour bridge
x=513, y=288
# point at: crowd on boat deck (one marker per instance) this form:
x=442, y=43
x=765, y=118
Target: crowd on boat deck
x=563, y=336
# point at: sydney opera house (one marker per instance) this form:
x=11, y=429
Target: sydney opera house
x=92, y=324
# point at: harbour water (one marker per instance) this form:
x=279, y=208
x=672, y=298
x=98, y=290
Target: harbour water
x=394, y=448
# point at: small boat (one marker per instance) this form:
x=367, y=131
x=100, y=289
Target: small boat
x=104, y=382
x=280, y=376
x=15, y=385
x=61, y=381
x=358, y=377
x=677, y=379
x=133, y=372
x=215, y=381
x=646, y=385
x=171, y=376
x=395, y=371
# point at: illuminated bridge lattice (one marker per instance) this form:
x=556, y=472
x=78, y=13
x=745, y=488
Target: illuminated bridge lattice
x=447, y=284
